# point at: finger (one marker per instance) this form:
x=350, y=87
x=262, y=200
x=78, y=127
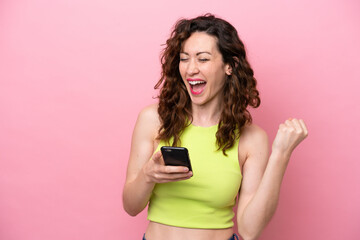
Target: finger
x=282, y=126
x=302, y=123
x=175, y=176
x=174, y=169
x=289, y=123
x=157, y=157
x=164, y=177
x=297, y=126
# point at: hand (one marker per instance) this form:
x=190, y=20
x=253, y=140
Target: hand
x=289, y=135
x=156, y=172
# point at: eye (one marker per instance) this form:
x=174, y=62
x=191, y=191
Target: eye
x=203, y=59
x=183, y=59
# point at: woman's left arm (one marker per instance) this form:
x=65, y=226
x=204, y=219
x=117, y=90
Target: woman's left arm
x=262, y=176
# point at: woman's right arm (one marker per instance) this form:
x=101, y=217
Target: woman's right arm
x=145, y=169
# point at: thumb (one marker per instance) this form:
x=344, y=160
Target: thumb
x=157, y=158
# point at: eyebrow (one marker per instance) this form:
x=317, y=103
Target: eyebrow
x=197, y=53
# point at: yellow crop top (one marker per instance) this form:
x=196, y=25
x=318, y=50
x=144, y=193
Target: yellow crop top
x=206, y=200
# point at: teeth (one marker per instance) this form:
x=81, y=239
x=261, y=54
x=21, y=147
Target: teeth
x=195, y=82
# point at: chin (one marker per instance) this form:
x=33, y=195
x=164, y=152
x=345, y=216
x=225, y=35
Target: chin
x=197, y=101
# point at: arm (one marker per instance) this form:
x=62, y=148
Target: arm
x=263, y=176
x=145, y=169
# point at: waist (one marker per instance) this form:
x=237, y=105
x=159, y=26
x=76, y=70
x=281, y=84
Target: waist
x=158, y=231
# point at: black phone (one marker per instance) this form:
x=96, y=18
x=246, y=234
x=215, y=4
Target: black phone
x=176, y=156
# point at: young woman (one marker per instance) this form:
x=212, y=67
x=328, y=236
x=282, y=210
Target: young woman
x=205, y=88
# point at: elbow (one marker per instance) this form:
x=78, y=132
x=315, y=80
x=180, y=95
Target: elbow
x=249, y=235
x=132, y=212
x=129, y=206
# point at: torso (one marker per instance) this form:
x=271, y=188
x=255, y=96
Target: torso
x=158, y=231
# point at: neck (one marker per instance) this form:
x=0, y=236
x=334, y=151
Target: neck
x=206, y=115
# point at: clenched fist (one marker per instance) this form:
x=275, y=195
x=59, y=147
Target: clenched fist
x=289, y=135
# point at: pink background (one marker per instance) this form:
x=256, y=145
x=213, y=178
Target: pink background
x=74, y=75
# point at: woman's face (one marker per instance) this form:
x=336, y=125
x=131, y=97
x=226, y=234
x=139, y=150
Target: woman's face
x=202, y=69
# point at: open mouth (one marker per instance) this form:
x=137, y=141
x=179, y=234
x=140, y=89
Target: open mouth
x=197, y=86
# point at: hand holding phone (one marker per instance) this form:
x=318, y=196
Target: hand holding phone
x=176, y=156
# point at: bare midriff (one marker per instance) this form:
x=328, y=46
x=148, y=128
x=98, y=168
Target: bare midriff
x=158, y=231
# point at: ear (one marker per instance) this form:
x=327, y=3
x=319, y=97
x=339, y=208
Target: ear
x=228, y=69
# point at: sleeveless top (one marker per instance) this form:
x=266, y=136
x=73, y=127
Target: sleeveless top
x=206, y=200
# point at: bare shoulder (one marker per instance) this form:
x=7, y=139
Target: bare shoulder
x=150, y=113
x=253, y=141
x=146, y=127
x=253, y=134
x=148, y=119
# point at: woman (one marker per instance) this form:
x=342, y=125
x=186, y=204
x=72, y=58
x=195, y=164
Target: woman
x=205, y=89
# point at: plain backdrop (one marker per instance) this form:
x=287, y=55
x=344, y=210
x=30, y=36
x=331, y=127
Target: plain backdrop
x=75, y=73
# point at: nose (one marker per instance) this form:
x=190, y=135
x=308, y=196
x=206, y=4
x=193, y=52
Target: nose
x=192, y=67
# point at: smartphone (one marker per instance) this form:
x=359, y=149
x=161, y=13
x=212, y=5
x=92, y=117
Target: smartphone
x=176, y=156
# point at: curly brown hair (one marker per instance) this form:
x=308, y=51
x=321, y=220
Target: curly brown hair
x=239, y=90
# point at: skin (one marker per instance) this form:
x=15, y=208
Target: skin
x=262, y=174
